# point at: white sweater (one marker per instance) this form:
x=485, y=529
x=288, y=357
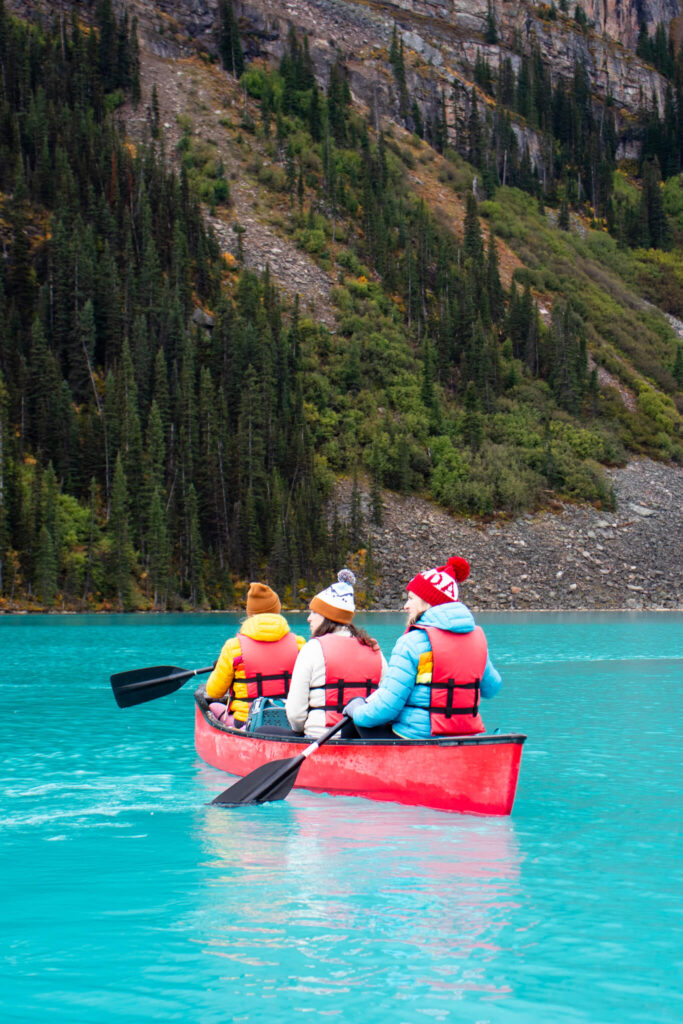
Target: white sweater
x=309, y=674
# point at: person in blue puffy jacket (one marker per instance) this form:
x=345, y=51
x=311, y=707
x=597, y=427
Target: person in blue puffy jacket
x=441, y=634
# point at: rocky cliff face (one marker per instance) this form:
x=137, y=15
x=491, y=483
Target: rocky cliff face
x=621, y=19
x=441, y=39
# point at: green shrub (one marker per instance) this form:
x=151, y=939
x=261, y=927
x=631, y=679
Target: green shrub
x=348, y=259
x=273, y=177
x=113, y=100
x=313, y=241
x=221, y=192
x=672, y=200
x=584, y=443
x=658, y=408
x=341, y=298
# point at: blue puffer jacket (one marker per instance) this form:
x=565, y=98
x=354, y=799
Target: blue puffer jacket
x=388, y=703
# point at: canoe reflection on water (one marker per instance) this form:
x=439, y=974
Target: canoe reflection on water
x=357, y=888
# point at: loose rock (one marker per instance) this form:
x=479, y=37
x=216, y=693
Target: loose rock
x=519, y=563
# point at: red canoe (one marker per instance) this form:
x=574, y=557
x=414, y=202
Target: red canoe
x=470, y=774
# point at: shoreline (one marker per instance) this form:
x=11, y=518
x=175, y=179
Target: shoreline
x=570, y=558
x=475, y=609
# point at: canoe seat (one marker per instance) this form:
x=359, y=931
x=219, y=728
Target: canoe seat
x=266, y=711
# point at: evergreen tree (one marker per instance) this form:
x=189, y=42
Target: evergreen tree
x=376, y=504
x=122, y=555
x=651, y=204
x=396, y=59
x=418, y=126
x=92, y=532
x=428, y=391
x=678, y=367
x=229, y=45
x=107, y=56
x=46, y=568
x=472, y=424
x=193, y=547
x=493, y=285
x=473, y=242
x=506, y=84
x=567, y=357
x=156, y=543
x=491, y=31
x=315, y=119
x=356, y=515
x=338, y=101
x=474, y=132
x=21, y=277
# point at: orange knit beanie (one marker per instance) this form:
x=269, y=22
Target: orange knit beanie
x=262, y=599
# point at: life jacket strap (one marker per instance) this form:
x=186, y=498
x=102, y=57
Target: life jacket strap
x=448, y=710
x=259, y=679
x=341, y=686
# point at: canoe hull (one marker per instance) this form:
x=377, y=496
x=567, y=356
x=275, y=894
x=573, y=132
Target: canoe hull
x=470, y=775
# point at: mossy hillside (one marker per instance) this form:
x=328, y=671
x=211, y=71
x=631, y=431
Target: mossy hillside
x=588, y=268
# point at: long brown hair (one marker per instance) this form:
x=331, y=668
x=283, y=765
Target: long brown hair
x=328, y=626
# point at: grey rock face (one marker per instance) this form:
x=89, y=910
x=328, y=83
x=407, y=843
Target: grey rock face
x=573, y=557
x=442, y=39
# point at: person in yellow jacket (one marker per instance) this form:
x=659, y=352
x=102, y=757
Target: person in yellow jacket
x=257, y=662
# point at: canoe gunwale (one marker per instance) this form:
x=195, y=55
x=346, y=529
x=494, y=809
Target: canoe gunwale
x=480, y=739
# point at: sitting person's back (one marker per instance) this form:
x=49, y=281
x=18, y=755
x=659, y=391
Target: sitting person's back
x=439, y=668
x=257, y=662
x=338, y=663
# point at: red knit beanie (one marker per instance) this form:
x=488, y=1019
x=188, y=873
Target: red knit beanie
x=438, y=586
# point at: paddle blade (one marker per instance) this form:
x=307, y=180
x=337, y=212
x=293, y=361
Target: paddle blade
x=271, y=781
x=143, y=684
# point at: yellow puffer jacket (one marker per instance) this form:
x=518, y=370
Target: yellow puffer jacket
x=267, y=627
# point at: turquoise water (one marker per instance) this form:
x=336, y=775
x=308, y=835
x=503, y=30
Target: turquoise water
x=126, y=898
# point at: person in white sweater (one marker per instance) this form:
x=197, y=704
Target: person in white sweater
x=339, y=662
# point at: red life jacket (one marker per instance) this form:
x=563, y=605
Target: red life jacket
x=267, y=665
x=459, y=663
x=352, y=669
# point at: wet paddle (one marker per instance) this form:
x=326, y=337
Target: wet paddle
x=143, y=684
x=273, y=780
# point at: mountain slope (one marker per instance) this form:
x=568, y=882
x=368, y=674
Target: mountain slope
x=450, y=339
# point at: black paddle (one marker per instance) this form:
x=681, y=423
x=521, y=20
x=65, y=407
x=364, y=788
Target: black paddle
x=143, y=684
x=273, y=780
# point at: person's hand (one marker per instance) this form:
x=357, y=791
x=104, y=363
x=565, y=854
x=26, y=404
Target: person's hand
x=357, y=702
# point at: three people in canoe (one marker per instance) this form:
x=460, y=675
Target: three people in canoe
x=438, y=671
